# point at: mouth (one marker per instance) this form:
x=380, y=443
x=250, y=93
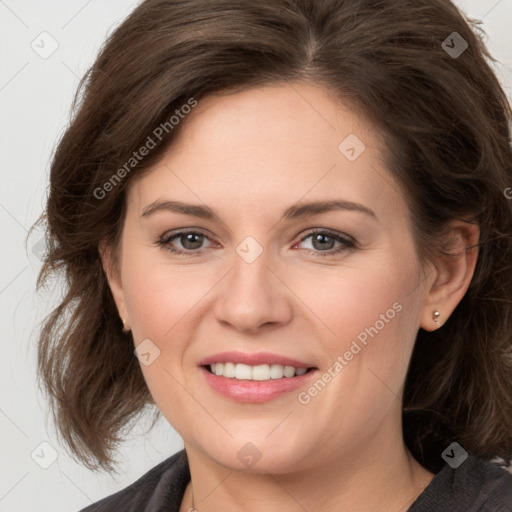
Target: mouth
x=261, y=372
x=255, y=377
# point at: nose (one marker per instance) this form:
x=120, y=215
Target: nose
x=253, y=296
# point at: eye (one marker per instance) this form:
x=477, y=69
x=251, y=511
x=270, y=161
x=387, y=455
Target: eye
x=323, y=241
x=190, y=241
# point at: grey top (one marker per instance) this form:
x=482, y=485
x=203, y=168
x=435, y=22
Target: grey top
x=477, y=485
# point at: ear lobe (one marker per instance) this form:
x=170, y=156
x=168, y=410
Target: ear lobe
x=454, y=271
x=111, y=269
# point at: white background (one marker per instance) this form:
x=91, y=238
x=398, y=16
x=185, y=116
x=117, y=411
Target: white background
x=35, y=96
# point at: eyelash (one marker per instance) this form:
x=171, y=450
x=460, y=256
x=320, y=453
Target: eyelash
x=348, y=243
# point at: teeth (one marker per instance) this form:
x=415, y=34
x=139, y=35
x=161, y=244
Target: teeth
x=229, y=370
x=260, y=372
x=242, y=371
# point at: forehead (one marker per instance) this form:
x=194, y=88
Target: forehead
x=272, y=145
x=273, y=118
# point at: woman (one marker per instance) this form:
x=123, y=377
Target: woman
x=216, y=147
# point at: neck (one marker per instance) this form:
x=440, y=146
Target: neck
x=372, y=475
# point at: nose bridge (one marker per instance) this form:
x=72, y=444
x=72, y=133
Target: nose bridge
x=251, y=295
x=250, y=268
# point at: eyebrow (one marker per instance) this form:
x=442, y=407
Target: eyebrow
x=292, y=212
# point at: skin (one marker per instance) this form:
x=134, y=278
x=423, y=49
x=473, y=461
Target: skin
x=248, y=156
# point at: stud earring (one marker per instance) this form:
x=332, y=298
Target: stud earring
x=435, y=316
x=124, y=326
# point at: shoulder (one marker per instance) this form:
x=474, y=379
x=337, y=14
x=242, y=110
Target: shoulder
x=162, y=486
x=477, y=485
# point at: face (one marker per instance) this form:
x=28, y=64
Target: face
x=256, y=272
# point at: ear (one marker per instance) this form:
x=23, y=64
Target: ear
x=452, y=274
x=114, y=280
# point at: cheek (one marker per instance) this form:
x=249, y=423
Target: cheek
x=160, y=301
x=352, y=299
x=159, y=296
x=370, y=316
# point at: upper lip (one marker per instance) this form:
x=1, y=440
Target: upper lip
x=254, y=359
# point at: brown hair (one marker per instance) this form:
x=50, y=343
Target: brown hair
x=445, y=118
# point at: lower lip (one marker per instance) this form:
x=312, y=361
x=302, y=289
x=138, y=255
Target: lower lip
x=254, y=391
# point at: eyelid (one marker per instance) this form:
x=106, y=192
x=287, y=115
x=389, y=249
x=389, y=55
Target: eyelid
x=168, y=235
x=330, y=232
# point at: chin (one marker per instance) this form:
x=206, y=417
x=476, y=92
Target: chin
x=263, y=456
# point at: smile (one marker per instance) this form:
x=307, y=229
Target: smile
x=260, y=372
